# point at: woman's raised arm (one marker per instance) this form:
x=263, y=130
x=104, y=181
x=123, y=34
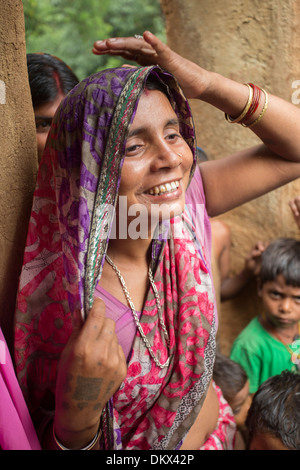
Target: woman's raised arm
x=251, y=172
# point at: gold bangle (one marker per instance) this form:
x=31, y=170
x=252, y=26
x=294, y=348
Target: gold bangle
x=245, y=110
x=88, y=447
x=262, y=111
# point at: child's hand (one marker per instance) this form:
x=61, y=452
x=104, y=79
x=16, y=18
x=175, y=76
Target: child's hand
x=295, y=207
x=253, y=260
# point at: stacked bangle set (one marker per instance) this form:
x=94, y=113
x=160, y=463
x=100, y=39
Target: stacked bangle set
x=255, y=94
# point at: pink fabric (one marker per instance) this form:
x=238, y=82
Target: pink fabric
x=16, y=428
x=195, y=197
x=123, y=318
x=223, y=437
x=142, y=402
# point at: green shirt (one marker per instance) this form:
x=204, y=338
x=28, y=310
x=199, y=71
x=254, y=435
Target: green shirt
x=260, y=354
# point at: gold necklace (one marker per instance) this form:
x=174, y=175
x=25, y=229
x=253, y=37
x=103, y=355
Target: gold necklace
x=136, y=319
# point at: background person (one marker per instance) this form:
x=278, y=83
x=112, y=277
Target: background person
x=274, y=416
x=50, y=79
x=268, y=344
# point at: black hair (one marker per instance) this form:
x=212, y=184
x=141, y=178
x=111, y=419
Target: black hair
x=275, y=409
x=229, y=376
x=153, y=82
x=48, y=76
x=282, y=256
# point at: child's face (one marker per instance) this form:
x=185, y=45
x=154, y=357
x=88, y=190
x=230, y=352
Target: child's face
x=281, y=303
x=240, y=405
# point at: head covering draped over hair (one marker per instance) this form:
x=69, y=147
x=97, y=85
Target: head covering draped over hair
x=68, y=235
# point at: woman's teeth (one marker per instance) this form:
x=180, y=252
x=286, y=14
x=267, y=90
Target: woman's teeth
x=164, y=188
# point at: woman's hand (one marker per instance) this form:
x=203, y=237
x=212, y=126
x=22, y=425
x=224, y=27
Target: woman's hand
x=91, y=369
x=149, y=50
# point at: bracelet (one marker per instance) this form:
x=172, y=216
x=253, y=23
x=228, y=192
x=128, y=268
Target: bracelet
x=254, y=105
x=88, y=447
x=245, y=110
x=262, y=112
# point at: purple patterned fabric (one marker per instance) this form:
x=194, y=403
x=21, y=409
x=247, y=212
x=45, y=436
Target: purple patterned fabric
x=69, y=228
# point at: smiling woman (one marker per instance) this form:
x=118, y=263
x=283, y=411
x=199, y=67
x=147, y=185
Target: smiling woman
x=146, y=350
x=116, y=151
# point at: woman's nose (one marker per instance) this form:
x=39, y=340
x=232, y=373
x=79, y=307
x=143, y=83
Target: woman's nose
x=165, y=157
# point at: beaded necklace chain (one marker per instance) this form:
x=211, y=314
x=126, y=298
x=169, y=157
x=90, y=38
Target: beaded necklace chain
x=294, y=355
x=135, y=316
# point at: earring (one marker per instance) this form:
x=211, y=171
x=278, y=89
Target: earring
x=180, y=155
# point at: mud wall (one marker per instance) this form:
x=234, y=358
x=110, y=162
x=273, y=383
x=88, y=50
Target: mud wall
x=18, y=160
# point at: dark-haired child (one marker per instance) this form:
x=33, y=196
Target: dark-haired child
x=234, y=383
x=274, y=416
x=271, y=343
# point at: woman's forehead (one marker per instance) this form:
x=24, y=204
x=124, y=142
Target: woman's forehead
x=153, y=108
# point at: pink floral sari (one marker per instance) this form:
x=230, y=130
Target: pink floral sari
x=68, y=235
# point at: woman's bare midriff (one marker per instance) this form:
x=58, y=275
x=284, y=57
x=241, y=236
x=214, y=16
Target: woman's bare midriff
x=205, y=423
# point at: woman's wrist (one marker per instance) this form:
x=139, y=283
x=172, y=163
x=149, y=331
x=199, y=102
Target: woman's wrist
x=86, y=439
x=93, y=444
x=225, y=94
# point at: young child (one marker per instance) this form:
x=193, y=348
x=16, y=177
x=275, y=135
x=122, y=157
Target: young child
x=270, y=342
x=274, y=416
x=234, y=383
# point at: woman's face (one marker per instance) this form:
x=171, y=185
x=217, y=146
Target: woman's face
x=157, y=160
x=43, y=119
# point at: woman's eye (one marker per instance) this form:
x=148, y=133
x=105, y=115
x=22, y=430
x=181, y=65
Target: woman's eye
x=43, y=125
x=132, y=149
x=173, y=136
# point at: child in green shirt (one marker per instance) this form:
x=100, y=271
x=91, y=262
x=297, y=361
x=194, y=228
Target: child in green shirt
x=270, y=343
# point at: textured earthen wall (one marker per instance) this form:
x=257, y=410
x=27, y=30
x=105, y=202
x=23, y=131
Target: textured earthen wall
x=18, y=160
x=249, y=41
